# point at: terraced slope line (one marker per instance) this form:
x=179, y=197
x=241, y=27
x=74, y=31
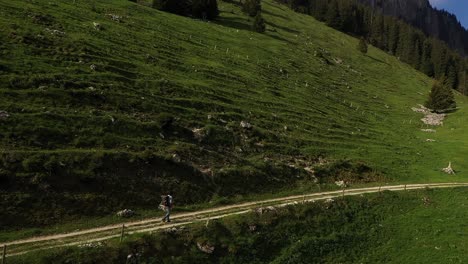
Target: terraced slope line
x=24, y=246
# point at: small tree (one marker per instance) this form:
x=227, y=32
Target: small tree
x=179, y=7
x=259, y=23
x=441, y=98
x=362, y=46
x=205, y=9
x=252, y=7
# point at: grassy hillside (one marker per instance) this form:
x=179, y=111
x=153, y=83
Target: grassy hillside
x=424, y=226
x=110, y=115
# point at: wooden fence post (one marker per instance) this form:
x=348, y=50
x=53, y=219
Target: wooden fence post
x=122, y=233
x=4, y=254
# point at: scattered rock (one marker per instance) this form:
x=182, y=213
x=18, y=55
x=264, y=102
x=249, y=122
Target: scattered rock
x=209, y=117
x=91, y=245
x=176, y=158
x=171, y=230
x=329, y=200
x=205, y=247
x=449, y=170
x=428, y=130
x=426, y=201
x=199, y=133
x=4, y=115
x=430, y=140
x=263, y=210
x=252, y=228
x=54, y=32
x=341, y=184
x=434, y=119
x=338, y=60
x=245, y=124
x=126, y=213
x=429, y=118
x=115, y=17
x=207, y=171
x=93, y=67
x=97, y=26
x=421, y=109
x=309, y=170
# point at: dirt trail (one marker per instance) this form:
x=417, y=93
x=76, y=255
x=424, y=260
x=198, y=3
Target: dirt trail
x=23, y=246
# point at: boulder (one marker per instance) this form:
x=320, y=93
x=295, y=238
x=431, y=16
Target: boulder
x=205, y=247
x=97, y=26
x=246, y=125
x=341, y=184
x=126, y=213
x=4, y=115
x=449, y=170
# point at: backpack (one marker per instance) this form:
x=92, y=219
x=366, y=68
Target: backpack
x=167, y=201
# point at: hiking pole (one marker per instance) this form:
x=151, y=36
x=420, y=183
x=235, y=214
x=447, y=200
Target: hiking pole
x=4, y=254
x=122, y=233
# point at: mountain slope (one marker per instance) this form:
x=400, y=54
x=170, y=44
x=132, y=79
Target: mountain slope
x=108, y=105
x=419, y=13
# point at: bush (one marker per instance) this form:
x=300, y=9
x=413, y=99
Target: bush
x=441, y=98
x=179, y=7
x=205, y=9
x=252, y=7
x=362, y=46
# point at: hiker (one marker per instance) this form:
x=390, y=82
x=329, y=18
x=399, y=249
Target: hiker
x=167, y=203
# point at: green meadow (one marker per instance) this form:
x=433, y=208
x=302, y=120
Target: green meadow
x=111, y=103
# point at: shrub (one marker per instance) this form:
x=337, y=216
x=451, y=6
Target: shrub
x=362, y=46
x=205, y=9
x=252, y=7
x=441, y=98
x=179, y=7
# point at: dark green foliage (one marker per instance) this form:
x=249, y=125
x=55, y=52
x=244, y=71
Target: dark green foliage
x=205, y=9
x=252, y=7
x=362, y=46
x=179, y=7
x=350, y=172
x=341, y=231
x=441, y=98
x=333, y=15
x=429, y=55
x=259, y=23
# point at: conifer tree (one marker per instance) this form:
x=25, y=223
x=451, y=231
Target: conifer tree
x=179, y=7
x=362, y=46
x=205, y=9
x=441, y=98
x=333, y=15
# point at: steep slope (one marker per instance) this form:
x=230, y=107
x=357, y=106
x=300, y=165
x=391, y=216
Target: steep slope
x=419, y=13
x=107, y=105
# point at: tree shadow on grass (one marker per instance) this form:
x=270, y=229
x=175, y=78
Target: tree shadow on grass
x=381, y=61
x=275, y=15
x=233, y=2
x=282, y=28
x=234, y=23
